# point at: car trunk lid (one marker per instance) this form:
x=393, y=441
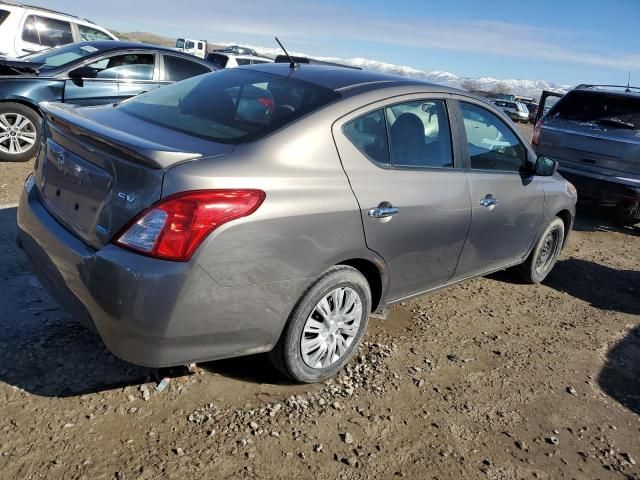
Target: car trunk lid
x=95, y=172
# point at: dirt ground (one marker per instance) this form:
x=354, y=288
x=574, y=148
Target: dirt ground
x=488, y=379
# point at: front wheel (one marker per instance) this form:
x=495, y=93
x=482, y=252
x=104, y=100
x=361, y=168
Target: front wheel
x=544, y=255
x=19, y=132
x=325, y=328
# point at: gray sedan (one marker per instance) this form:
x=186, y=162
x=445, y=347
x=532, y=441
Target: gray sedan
x=273, y=208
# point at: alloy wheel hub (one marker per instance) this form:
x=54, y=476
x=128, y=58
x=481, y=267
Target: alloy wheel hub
x=331, y=328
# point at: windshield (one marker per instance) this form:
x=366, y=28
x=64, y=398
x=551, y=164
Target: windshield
x=601, y=108
x=180, y=43
x=230, y=106
x=60, y=56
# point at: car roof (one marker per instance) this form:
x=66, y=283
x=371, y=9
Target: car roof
x=624, y=90
x=342, y=79
x=6, y=3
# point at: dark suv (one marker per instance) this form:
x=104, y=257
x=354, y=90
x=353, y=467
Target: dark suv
x=594, y=133
x=86, y=73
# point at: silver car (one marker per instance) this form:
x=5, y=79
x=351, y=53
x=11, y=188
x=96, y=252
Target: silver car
x=516, y=111
x=183, y=231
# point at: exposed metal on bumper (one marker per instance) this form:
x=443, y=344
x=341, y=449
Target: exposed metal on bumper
x=147, y=311
x=602, y=189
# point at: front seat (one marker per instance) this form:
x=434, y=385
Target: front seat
x=408, y=146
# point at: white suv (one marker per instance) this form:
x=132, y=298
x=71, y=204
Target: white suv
x=25, y=29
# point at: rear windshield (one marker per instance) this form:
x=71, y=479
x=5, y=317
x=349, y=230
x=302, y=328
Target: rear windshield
x=229, y=106
x=605, y=109
x=3, y=15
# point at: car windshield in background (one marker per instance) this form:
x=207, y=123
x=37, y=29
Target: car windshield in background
x=60, y=56
x=605, y=109
x=230, y=106
x=180, y=43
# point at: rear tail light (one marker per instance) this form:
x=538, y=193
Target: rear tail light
x=267, y=102
x=175, y=227
x=536, y=133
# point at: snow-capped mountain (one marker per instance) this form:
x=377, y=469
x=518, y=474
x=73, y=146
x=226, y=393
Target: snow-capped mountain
x=529, y=88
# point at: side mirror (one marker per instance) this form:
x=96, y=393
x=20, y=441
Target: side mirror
x=83, y=72
x=546, y=167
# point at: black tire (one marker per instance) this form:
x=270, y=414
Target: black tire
x=628, y=213
x=9, y=110
x=287, y=355
x=530, y=271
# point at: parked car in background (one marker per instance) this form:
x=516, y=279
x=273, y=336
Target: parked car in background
x=515, y=110
x=231, y=234
x=237, y=50
x=25, y=29
x=197, y=48
x=594, y=133
x=87, y=73
x=532, y=108
x=229, y=60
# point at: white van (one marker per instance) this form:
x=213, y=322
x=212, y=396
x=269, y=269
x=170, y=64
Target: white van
x=197, y=48
x=25, y=29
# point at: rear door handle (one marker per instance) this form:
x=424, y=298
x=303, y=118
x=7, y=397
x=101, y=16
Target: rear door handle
x=383, y=212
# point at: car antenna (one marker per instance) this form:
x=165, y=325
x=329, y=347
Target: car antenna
x=292, y=65
x=628, y=82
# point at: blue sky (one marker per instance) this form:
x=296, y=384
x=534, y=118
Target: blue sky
x=568, y=42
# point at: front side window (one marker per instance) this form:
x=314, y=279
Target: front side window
x=47, y=32
x=218, y=59
x=231, y=106
x=189, y=45
x=243, y=61
x=88, y=34
x=176, y=68
x=369, y=134
x=132, y=66
x=419, y=134
x=492, y=144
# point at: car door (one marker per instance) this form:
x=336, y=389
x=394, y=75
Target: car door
x=401, y=159
x=506, y=198
x=547, y=100
x=40, y=32
x=112, y=78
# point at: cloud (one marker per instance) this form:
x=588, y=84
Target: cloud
x=309, y=21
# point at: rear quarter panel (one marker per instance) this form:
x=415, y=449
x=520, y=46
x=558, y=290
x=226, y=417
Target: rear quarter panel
x=308, y=222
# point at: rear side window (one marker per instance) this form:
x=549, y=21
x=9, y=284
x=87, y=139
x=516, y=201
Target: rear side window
x=419, y=134
x=218, y=59
x=176, y=68
x=231, y=106
x=603, y=109
x=369, y=134
x=47, y=32
x=3, y=15
x=492, y=144
x=88, y=34
x=133, y=66
x=243, y=61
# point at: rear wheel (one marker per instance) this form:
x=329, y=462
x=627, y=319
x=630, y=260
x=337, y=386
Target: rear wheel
x=628, y=213
x=19, y=132
x=544, y=255
x=325, y=328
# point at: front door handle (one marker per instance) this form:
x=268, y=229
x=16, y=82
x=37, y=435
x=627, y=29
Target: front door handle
x=383, y=211
x=489, y=202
